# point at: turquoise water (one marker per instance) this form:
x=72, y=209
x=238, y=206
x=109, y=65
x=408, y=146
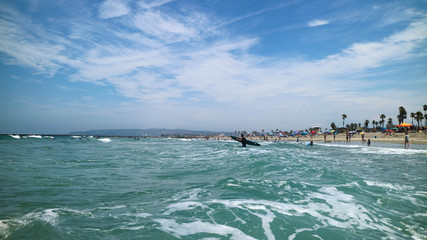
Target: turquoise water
x=122, y=188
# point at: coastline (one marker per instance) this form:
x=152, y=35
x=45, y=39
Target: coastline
x=396, y=138
x=414, y=138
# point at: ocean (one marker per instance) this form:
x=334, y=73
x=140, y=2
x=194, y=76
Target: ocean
x=159, y=188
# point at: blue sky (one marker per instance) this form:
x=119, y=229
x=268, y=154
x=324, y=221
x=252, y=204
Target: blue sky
x=212, y=65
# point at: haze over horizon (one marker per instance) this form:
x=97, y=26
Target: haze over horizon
x=213, y=65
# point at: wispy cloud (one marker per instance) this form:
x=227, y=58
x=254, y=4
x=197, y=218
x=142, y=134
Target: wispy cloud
x=113, y=8
x=317, y=23
x=30, y=45
x=153, y=3
x=165, y=27
x=198, y=66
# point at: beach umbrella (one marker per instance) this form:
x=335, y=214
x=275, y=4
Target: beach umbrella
x=332, y=131
x=313, y=132
x=404, y=124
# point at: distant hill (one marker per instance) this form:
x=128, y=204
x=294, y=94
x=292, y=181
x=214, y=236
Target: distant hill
x=152, y=132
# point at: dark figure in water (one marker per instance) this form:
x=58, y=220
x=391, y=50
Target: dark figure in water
x=310, y=144
x=243, y=141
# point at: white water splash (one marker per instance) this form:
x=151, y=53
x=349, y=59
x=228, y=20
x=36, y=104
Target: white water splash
x=106, y=140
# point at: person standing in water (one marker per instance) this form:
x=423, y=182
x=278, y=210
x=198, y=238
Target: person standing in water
x=369, y=142
x=406, y=139
x=243, y=140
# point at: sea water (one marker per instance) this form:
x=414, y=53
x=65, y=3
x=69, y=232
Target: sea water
x=158, y=188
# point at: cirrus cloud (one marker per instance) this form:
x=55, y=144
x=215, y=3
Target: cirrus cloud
x=317, y=23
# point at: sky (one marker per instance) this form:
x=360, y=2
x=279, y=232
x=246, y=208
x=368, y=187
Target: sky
x=223, y=65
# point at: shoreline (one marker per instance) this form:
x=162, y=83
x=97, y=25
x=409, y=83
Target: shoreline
x=379, y=137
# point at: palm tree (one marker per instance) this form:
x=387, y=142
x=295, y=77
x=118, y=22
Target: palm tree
x=402, y=114
x=382, y=116
x=366, y=123
x=419, y=117
x=333, y=126
x=390, y=122
x=343, y=118
x=412, y=116
x=381, y=122
x=425, y=109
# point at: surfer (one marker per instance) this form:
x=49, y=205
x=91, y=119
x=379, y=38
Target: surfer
x=310, y=144
x=243, y=141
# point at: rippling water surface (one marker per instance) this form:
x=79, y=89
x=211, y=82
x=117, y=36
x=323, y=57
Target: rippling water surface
x=122, y=188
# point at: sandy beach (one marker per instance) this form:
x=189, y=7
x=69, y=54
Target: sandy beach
x=414, y=138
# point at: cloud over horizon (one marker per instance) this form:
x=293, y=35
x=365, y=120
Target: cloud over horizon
x=166, y=58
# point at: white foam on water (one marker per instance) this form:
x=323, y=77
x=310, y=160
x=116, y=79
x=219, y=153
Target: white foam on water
x=112, y=207
x=265, y=219
x=391, y=188
x=185, y=229
x=339, y=145
x=50, y=216
x=391, y=151
x=4, y=229
x=388, y=185
x=181, y=206
x=106, y=140
x=15, y=136
x=76, y=136
x=414, y=234
x=190, y=139
x=421, y=193
x=191, y=194
x=338, y=205
x=35, y=136
x=232, y=185
x=143, y=215
x=133, y=228
x=292, y=236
